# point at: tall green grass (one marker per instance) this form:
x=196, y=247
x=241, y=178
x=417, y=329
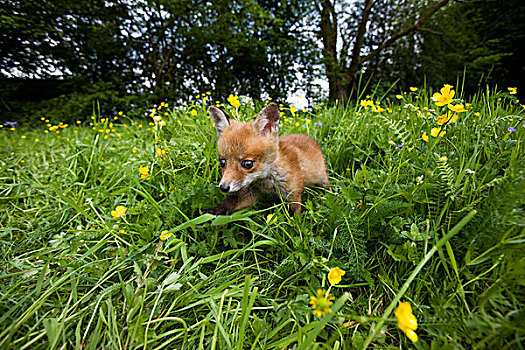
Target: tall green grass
x=437, y=223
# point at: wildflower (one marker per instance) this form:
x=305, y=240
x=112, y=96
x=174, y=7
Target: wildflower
x=321, y=304
x=334, y=276
x=512, y=90
x=119, y=212
x=157, y=118
x=164, y=235
x=399, y=97
x=367, y=103
x=424, y=137
x=122, y=231
x=377, y=109
x=435, y=132
x=391, y=143
x=160, y=153
x=445, y=97
x=477, y=114
x=271, y=219
x=318, y=124
x=406, y=321
x=413, y=88
x=446, y=117
x=457, y=108
x=293, y=110
x=400, y=145
x=193, y=112
x=297, y=124
x=144, y=172
x=308, y=121
x=443, y=159
x=511, y=128
x=234, y=100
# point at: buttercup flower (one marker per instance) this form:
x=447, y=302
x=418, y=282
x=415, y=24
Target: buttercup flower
x=435, y=132
x=119, y=212
x=399, y=97
x=367, y=103
x=445, y=97
x=144, y=172
x=413, y=88
x=164, y=235
x=271, y=219
x=459, y=108
x=446, y=117
x=293, y=109
x=424, y=137
x=334, y=276
x=321, y=304
x=193, y=112
x=512, y=90
x=406, y=321
x=443, y=159
x=234, y=100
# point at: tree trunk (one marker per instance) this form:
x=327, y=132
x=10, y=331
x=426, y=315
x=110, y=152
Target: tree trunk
x=336, y=90
x=341, y=78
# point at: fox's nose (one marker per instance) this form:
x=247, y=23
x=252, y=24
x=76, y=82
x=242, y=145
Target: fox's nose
x=224, y=187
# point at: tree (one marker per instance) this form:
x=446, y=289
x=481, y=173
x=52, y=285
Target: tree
x=350, y=24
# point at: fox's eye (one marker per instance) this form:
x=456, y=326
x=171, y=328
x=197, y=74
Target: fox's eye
x=222, y=163
x=247, y=164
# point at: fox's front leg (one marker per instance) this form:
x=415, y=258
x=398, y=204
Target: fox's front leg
x=233, y=202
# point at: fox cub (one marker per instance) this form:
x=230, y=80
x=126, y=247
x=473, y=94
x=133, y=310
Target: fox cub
x=255, y=160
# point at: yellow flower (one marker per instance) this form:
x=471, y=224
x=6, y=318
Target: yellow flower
x=377, y=109
x=399, y=97
x=334, y=276
x=512, y=90
x=406, y=321
x=164, y=235
x=443, y=159
x=457, y=108
x=321, y=304
x=193, y=112
x=445, y=97
x=435, y=132
x=424, y=136
x=477, y=114
x=297, y=124
x=293, y=109
x=160, y=153
x=234, y=100
x=413, y=88
x=119, y=212
x=157, y=118
x=271, y=219
x=144, y=172
x=367, y=103
x=446, y=117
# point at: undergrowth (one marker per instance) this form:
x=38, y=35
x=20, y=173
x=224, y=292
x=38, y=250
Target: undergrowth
x=162, y=276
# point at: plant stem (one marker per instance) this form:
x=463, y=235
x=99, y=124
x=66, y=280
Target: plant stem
x=375, y=327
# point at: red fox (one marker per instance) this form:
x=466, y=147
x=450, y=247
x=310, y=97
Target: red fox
x=255, y=160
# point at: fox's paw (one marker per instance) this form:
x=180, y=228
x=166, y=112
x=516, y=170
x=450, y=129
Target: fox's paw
x=216, y=211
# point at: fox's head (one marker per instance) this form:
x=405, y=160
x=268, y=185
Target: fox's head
x=247, y=151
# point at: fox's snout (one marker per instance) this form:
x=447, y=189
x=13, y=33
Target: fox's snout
x=224, y=187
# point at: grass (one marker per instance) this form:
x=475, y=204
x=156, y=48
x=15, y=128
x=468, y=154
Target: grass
x=437, y=223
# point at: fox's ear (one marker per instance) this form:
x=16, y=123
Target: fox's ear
x=267, y=121
x=220, y=120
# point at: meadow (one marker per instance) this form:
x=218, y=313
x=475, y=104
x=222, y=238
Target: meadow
x=103, y=245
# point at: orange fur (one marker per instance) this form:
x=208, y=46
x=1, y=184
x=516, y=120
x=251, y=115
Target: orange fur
x=286, y=164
